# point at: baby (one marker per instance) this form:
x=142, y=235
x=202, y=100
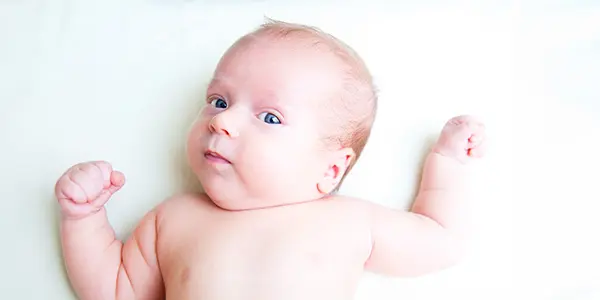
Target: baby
x=288, y=112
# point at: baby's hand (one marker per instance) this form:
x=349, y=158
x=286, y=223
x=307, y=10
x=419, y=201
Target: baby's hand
x=84, y=188
x=462, y=138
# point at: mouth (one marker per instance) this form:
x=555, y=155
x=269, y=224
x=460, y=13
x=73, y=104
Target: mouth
x=215, y=157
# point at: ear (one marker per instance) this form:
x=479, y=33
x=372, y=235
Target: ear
x=337, y=164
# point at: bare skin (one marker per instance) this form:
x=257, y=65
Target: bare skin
x=313, y=250
x=266, y=229
x=189, y=248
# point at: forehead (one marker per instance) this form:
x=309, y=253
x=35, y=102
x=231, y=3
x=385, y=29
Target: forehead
x=285, y=70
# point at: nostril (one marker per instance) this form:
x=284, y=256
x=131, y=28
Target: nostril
x=218, y=126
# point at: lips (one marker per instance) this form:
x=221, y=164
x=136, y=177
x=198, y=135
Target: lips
x=214, y=156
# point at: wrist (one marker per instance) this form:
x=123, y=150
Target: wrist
x=74, y=211
x=91, y=218
x=442, y=172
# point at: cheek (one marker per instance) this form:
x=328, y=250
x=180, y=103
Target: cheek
x=280, y=157
x=200, y=128
x=264, y=155
x=194, y=139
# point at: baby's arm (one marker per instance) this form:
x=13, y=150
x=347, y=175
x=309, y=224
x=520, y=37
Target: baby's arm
x=98, y=265
x=432, y=235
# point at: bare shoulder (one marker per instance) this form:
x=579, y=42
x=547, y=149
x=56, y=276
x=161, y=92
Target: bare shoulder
x=183, y=204
x=356, y=208
x=351, y=219
x=366, y=210
x=352, y=203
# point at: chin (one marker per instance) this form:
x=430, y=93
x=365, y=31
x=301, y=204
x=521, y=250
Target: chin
x=229, y=205
x=220, y=194
x=232, y=195
x=229, y=199
x=232, y=204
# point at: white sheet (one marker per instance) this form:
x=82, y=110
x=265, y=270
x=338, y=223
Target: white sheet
x=83, y=80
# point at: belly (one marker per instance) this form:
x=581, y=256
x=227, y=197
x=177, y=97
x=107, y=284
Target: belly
x=236, y=285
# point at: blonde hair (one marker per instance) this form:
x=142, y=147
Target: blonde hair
x=358, y=101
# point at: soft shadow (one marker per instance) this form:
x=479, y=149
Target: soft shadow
x=193, y=102
x=53, y=211
x=430, y=140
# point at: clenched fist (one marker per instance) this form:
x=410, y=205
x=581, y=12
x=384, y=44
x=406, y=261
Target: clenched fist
x=462, y=138
x=84, y=188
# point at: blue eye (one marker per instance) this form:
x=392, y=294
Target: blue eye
x=218, y=103
x=269, y=118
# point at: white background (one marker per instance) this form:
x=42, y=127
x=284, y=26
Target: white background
x=122, y=81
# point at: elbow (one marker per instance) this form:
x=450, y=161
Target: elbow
x=448, y=256
x=453, y=247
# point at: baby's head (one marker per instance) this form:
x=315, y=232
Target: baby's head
x=289, y=111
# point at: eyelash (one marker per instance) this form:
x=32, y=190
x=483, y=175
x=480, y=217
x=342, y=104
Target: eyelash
x=272, y=114
x=214, y=100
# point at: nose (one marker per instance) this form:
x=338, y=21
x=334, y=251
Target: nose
x=222, y=124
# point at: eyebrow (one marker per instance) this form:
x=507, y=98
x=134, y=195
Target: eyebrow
x=267, y=95
x=218, y=81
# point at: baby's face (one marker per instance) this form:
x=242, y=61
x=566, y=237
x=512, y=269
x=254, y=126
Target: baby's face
x=258, y=142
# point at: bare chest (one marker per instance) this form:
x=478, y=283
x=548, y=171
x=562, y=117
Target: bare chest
x=267, y=254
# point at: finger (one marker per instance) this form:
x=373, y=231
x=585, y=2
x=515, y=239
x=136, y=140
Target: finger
x=462, y=135
x=469, y=119
x=479, y=150
x=99, y=173
x=73, y=210
x=105, y=196
x=76, y=180
x=117, y=179
x=101, y=199
x=67, y=189
x=475, y=140
x=105, y=170
x=88, y=181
